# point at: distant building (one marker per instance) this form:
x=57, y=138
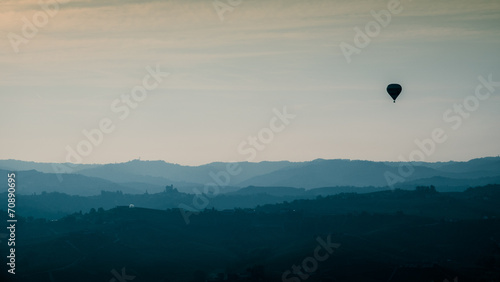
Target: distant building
x=169, y=188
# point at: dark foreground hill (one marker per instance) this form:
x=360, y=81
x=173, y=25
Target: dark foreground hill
x=383, y=236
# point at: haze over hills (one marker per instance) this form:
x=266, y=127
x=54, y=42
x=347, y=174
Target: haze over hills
x=178, y=174
x=480, y=167
x=32, y=181
x=140, y=176
x=17, y=165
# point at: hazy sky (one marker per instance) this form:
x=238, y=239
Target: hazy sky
x=226, y=77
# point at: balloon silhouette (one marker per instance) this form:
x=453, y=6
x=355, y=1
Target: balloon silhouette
x=394, y=90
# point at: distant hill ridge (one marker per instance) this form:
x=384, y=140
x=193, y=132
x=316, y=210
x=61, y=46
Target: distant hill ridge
x=138, y=176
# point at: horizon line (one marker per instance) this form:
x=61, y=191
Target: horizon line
x=255, y=162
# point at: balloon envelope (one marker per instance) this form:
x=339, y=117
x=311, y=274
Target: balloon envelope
x=394, y=90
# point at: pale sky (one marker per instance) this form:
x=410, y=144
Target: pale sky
x=226, y=77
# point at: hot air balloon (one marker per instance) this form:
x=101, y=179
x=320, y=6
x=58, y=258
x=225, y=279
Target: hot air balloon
x=394, y=90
